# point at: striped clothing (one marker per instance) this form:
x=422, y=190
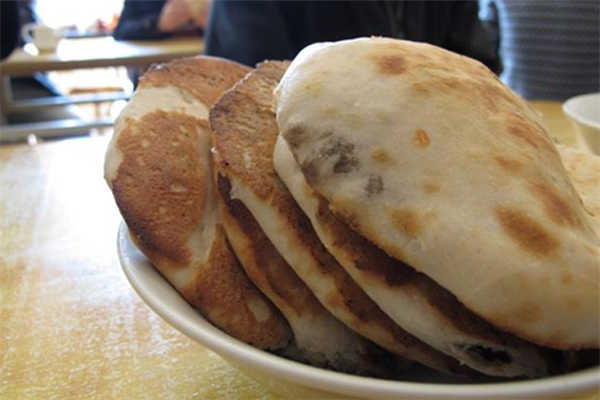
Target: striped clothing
x=549, y=49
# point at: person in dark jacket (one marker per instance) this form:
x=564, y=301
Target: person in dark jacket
x=159, y=19
x=252, y=31
x=11, y=27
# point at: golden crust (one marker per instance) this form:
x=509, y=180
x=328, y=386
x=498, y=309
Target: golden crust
x=204, y=77
x=253, y=97
x=260, y=259
x=159, y=182
x=223, y=294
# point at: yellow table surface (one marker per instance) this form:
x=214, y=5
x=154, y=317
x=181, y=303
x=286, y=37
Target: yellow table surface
x=71, y=327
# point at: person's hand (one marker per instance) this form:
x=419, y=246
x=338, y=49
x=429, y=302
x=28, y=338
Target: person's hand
x=174, y=15
x=201, y=19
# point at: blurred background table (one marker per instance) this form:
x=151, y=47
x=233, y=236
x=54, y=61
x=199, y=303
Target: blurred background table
x=98, y=52
x=82, y=53
x=71, y=326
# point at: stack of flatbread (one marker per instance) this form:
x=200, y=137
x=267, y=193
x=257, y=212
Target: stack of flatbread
x=371, y=204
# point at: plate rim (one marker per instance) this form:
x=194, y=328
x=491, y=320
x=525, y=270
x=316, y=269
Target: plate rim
x=317, y=378
x=570, y=105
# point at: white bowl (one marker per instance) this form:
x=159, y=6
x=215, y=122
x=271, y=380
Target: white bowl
x=584, y=111
x=295, y=378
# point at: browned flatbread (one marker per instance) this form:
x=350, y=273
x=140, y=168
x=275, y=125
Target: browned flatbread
x=158, y=167
x=245, y=131
x=319, y=338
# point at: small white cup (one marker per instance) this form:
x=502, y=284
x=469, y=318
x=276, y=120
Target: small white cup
x=43, y=37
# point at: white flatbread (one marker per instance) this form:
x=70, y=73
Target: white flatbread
x=427, y=155
x=413, y=300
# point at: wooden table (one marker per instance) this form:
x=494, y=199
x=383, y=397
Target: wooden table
x=97, y=53
x=79, y=54
x=71, y=326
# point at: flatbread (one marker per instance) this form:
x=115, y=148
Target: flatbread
x=245, y=132
x=583, y=168
x=158, y=168
x=411, y=299
x=427, y=155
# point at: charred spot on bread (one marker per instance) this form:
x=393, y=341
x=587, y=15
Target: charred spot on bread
x=526, y=232
x=509, y=164
x=422, y=140
x=488, y=354
x=431, y=187
x=554, y=204
x=294, y=135
x=406, y=221
x=343, y=151
x=334, y=151
x=374, y=185
x=391, y=64
x=382, y=157
x=528, y=131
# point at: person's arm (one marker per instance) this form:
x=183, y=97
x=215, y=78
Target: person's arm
x=468, y=35
x=488, y=14
x=139, y=21
x=248, y=31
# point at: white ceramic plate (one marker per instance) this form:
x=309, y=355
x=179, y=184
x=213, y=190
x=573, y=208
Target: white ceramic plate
x=584, y=110
x=166, y=302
